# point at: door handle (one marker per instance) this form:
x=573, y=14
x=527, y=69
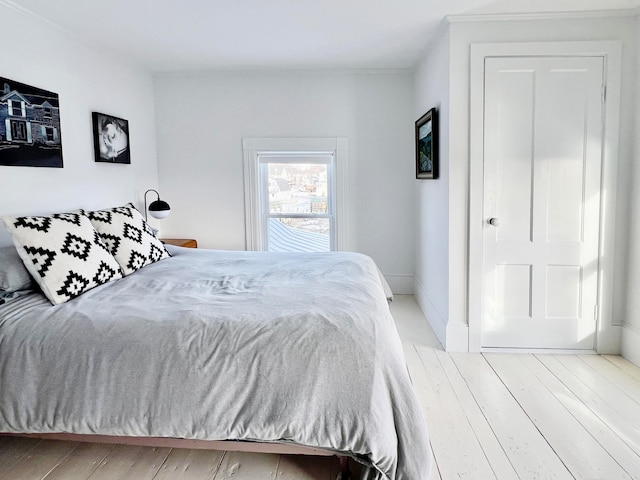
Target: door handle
x=495, y=222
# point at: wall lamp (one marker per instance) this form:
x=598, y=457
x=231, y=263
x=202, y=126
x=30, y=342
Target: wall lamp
x=158, y=208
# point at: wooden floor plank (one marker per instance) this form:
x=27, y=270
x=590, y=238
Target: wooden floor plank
x=605, y=434
x=185, y=464
x=528, y=451
x=603, y=387
x=450, y=429
x=127, y=462
x=81, y=462
x=623, y=381
x=43, y=458
x=411, y=324
x=435, y=471
x=625, y=365
x=248, y=466
x=494, y=452
x=13, y=449
x=576, y=447
x=626, y=431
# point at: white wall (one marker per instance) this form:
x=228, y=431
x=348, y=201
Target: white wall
x=86, y=80
x=631, y=330
x=202, y=119
x=431, y=89
x=461, y=35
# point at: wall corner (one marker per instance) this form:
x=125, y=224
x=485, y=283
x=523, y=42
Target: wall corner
x=631, y=344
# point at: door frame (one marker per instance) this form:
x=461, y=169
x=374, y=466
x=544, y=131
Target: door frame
x=607, y=335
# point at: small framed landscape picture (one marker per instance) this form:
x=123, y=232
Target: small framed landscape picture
x=427, y=145
x=110, y=139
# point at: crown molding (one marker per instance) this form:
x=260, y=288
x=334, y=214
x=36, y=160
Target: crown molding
x=503, y=17
x=25, y=11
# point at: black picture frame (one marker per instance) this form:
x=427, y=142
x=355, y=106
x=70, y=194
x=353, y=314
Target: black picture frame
x=427, y=134
x=30, y=133
x=111, y=139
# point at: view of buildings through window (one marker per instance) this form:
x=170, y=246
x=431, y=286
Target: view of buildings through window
x=299, y=214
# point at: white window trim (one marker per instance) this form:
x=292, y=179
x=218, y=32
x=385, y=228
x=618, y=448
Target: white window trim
x=253, y=147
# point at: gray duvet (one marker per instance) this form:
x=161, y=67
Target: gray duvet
x=215, y=345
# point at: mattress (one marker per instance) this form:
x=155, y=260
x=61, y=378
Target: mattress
x=218, y=345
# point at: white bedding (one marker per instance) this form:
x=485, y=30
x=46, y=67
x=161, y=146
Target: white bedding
x=215, y=345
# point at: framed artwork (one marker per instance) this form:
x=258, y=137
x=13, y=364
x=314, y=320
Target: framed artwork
x=110, y=139
x=29, y=126
x=427, y=145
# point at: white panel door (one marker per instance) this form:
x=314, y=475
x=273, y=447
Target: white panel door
x=542, y=167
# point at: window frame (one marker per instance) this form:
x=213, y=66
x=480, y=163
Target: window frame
x=17, y=105
x=254, y=148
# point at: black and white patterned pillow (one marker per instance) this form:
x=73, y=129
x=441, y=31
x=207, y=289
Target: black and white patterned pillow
x=64, y=254
x=128, y=237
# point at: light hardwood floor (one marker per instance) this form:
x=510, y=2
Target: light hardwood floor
x=491, y=416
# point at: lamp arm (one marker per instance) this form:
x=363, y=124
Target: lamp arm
x=145, y=202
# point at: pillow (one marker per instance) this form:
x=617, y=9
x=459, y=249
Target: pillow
x=13, y=275
x=128, y=237
x=63, y=253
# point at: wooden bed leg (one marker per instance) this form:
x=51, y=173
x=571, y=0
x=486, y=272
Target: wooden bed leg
x=344, y=474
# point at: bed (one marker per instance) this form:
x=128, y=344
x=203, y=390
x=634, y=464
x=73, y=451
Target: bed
x=298, y=350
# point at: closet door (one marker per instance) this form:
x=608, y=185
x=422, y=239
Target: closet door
x=542, y=168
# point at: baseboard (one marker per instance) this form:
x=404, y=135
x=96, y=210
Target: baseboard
x=457, y=337
x=544, y=351
x=401, y=284
x=631, y=344
x=609, y=340
x=437, y=323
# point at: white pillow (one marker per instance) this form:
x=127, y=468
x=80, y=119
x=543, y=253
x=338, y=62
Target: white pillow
x=13, y=274
x=63, y=253
x=129, y=238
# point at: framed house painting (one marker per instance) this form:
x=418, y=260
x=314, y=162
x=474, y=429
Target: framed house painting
x=29, y=126
x=427, y=145
x=110, y=139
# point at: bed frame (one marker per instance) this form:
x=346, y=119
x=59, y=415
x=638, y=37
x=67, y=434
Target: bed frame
x=229, y=445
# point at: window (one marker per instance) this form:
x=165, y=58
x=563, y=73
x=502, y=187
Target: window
x=296, y=201
x=16, y=108
x=50, y=132
x=295, y=197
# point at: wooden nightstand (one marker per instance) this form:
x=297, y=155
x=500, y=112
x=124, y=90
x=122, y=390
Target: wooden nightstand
x=181, y=242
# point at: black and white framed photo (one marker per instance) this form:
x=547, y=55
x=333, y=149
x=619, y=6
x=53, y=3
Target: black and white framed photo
x=427, y=145
x=111, y=139
x=29, y=126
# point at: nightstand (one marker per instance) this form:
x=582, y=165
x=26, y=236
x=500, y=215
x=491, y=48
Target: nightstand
x=181, y=242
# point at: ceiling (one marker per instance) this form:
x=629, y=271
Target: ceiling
x=201, y=35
